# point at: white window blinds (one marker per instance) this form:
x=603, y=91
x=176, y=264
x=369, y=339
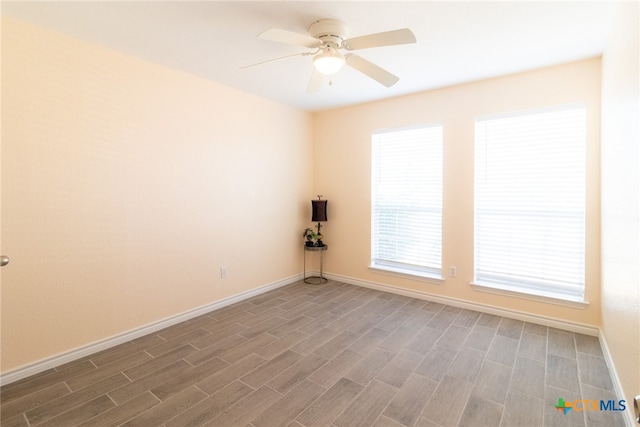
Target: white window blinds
x=530, y=202
x=407, y=200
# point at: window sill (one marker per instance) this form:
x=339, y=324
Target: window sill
x=408, y=274
x=533, y=295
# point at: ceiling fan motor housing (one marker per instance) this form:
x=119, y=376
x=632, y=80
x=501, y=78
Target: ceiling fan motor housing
x=330, y=31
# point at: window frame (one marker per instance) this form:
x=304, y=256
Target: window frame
x=394, y=267
x=562, y=294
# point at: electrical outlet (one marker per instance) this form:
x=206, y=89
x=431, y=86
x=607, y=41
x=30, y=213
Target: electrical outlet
x=223, y=272
x=452, y=271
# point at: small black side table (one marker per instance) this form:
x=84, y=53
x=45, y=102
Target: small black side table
x=314, y=280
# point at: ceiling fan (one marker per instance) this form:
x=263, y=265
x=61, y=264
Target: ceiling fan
x=328, y=37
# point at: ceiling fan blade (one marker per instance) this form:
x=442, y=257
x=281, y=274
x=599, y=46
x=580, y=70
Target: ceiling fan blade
x=315, y=82
x=388, y=38
x=378, y=74
x=275, y=59
x=289, y=37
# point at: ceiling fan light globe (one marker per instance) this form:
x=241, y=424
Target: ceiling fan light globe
x=328, y=63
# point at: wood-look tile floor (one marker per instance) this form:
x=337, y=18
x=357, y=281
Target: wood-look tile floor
x=326, y=355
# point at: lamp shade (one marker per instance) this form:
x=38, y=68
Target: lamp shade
x=319, y=210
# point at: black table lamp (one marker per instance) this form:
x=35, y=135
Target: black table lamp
x=319, y=214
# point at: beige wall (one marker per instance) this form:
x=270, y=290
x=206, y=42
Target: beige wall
x=621, y=198
x=342, y=154
x=126, y=186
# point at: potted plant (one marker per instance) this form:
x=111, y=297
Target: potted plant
x=311, y=237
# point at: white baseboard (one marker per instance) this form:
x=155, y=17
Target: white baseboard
x=629, y=417
x=69, y=356
x=484, y=308
x=77, y=353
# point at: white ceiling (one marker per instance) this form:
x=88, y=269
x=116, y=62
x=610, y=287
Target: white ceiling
x=456, y=41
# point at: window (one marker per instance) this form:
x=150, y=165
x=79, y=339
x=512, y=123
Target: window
x=530, y=202
x=406, y=201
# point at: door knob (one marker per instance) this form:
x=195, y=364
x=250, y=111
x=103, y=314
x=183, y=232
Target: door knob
x=4, y=260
